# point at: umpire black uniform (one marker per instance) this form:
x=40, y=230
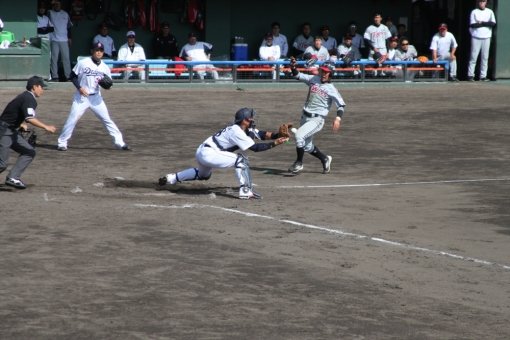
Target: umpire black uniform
x=20, y=109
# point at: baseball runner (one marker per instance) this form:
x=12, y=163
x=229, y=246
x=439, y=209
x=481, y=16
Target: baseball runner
x=321, y=95
x=20, y=109
x=218, y=152
x=87, y=76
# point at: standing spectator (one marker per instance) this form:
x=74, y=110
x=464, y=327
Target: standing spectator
x=270, y=52
x=164, y=45
x=328, y=41
x=106, y=40
x=85, y=77
x=1, y=25
x=401, y=31
x=443, y=47
x=393, y=29
x=357, y=39
x=132, y=51
x=44, y=25
x=376, y=36
x=196, y=50
x=21, y=109
x=60, y=40
x=481, y=22
x=279, y=39
x=321, y=95
x=302, y=41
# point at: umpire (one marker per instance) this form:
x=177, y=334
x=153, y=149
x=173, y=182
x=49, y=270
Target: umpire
x=20, y=109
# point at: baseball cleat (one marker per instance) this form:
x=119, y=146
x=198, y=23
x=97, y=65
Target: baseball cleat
x=326, y=166
x=168, y=179
x=62, y=148
x=16, y=183
x=125, y=147
x=246, y=193
x=296, y=167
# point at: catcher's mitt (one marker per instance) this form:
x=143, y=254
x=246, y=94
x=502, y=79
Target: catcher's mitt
x=422, y=59
x=284, y=130
x=106, y=82
x=28, y=135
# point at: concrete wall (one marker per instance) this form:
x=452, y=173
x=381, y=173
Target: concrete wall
x=502, y=41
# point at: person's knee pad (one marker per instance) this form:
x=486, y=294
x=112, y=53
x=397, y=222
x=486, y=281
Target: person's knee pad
x=202, y=178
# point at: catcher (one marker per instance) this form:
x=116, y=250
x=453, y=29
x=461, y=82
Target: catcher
x=218, y=152
x=88, y=76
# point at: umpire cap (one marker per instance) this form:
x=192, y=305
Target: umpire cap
x=243, y=114
x=35, y=80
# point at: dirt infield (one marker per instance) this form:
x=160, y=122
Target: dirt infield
x=406, y=238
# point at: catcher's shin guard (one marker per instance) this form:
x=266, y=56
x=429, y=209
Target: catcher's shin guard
x=243, y=170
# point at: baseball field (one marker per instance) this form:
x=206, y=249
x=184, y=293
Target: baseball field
x=407, y=237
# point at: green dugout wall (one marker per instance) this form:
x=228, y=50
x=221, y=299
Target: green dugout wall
x=225, y=19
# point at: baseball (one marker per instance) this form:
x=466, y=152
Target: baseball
x=293, y=130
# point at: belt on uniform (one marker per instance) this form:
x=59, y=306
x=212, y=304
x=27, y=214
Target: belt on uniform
x=312, y=115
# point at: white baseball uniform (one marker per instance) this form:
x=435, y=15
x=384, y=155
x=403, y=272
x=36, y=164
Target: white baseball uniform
x=444, y=46
x=480, y=40
x=137, y=53
x=301, y=43
x=280, y=40
x=89, y=74
x=321, y=54
x=199, y=51
x=378, y=36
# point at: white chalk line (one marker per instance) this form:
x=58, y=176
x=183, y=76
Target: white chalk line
x=333, y=231
x=393, y=184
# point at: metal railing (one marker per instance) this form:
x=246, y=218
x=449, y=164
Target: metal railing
x=164, y=71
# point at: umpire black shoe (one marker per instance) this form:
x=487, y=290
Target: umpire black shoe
x=16, y=183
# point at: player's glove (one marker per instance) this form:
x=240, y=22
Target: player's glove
x=347, y=59
x=422, y=59
x=284, y=130
x=28, y=135
x=106, y=82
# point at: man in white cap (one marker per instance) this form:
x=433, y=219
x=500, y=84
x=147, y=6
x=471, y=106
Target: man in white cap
x=132, y=51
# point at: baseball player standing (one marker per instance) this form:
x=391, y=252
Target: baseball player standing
x=86, y=76
x=443, y=47
x=321, y=95
x=20, y=109
x=481, y=22
x=376, y=37
x=218, y=152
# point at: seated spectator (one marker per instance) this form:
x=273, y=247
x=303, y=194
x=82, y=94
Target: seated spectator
x=279, y=39
x=106, y=40
x=132, y=51
x=391, y=56
x=347, y=53
x=443, y=47
x=199, y=51
x=164, y=45
x=44, y=25
x=270, y=52
x=328, y=42
x=302, y=41
x=357, y=39
x=317, y=51
x=406, y=52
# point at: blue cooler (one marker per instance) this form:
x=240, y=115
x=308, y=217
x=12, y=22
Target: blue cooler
x=239, y=52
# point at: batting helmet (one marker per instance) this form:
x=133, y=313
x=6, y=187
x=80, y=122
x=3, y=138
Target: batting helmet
x=327, y=66
x=243, y=114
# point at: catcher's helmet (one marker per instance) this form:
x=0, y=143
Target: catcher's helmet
x=327, y=66
x=243, y=114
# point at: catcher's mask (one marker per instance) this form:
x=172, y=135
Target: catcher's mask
x=245, y=113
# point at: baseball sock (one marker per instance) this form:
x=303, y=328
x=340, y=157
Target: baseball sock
x=317, y=153
x=300, y=153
